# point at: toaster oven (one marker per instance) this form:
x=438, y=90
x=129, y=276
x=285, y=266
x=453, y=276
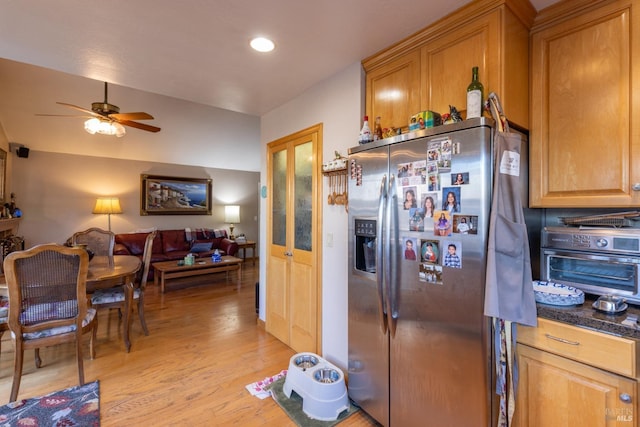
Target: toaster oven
x=598, y=261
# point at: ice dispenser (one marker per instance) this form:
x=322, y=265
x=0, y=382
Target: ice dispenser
x=365, y=245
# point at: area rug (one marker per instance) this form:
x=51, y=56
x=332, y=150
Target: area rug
x=293, y=407
x=75, y=406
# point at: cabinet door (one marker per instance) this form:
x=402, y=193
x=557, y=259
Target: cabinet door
x=447, y=63
x=393, y=90
x=555, y=391
x=584, y=141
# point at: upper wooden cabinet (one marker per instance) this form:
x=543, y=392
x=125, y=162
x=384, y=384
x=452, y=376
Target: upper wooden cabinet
x=393, y=90
x=584, y=141
x=431, y=69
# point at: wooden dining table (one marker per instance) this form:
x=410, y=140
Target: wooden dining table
x=111, y=271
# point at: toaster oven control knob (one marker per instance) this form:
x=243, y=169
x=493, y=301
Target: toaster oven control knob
x=601, y=243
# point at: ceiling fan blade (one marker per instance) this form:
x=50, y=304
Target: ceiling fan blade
x=131, y=116
x=84, y=110
x=66, y=115
x=137, y=125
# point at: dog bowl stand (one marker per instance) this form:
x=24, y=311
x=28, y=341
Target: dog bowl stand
x=319, y=383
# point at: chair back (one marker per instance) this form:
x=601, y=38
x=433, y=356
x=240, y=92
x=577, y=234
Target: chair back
x=47, y=288
x=146, y=258
x=98, y=241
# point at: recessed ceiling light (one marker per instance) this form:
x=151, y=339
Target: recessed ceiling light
x=262, y=44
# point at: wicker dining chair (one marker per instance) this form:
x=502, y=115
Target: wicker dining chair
x=98, y=241
x=48, y=303
x=114, y=297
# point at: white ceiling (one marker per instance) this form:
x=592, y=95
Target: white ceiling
x=191, y=50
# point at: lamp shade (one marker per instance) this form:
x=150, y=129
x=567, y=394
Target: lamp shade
x=107, y=205
x=232, y=214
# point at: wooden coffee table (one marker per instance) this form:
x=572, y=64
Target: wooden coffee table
x=166, y=270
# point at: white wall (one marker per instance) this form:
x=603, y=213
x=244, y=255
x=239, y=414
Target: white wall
x=337, y=103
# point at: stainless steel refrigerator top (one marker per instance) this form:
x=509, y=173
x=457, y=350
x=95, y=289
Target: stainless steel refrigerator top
x=420, y=348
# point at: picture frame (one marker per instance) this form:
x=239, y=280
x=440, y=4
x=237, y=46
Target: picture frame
x=169, y=195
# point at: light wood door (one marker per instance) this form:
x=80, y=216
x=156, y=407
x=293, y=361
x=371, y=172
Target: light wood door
x=393, y=91
x=293, y=306
x=555, y=391
x=585, y=134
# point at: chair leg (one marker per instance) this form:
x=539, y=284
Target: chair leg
x=17, y=370
x=143, y=322
x=79, y=357
x=92, y=343
x=37, y=358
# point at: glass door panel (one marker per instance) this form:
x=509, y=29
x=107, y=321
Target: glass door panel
x=303, y=194
x=279, y=204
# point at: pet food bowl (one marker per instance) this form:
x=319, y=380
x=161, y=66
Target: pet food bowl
x=320, y=385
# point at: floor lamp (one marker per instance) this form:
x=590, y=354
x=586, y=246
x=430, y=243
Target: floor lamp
x=108, y=206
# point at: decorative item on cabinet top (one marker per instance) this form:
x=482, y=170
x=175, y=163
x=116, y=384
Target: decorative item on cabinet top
x=336, y=170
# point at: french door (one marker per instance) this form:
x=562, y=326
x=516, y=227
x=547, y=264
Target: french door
x=293, y=288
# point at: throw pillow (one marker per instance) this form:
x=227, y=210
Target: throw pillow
x=201, y=246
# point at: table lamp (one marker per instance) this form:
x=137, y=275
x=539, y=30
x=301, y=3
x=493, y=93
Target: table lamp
x=108, y=206
x=231, y=216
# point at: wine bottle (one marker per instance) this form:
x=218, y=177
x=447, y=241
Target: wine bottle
x=365, y=133
x=377, y=130
x=475, y=94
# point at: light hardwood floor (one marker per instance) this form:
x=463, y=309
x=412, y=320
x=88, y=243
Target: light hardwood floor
x=204, y=347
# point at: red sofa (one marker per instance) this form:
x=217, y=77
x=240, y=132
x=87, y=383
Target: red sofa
x=175, y=244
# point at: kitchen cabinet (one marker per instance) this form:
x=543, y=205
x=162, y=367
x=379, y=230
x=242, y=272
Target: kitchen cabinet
x=585, y=129
x=431, y=69
x=571, y=376
x=393, y=90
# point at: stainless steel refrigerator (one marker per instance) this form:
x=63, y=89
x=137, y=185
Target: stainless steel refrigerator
x=420, y=347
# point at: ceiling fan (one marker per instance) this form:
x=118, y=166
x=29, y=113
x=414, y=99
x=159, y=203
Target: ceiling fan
x=107, y=119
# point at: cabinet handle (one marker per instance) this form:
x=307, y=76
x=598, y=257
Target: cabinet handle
x=287, y=253
x=562, y=340
x=625, y=397
x=636, y=186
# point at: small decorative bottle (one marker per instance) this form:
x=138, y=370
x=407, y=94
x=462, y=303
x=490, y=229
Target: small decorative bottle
x=365, y=133
x=377, y=130
x=475, y=95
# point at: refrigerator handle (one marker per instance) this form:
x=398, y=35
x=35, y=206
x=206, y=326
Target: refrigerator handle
x=392, y=260
x=380, y=255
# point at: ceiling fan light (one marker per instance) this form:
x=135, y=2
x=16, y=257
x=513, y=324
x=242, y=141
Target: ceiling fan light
x=104, y=127
x=119, y=129
x=92, y=126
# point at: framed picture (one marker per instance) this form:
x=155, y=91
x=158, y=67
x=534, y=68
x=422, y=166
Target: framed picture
x=168, y=195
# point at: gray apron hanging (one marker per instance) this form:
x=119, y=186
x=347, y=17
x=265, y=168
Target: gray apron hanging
x=509, y=284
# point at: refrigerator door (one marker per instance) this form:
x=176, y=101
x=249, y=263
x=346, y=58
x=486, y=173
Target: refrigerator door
x=368, y=338
x=440, y=354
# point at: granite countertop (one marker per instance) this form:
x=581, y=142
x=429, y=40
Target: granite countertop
x=586, y=316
